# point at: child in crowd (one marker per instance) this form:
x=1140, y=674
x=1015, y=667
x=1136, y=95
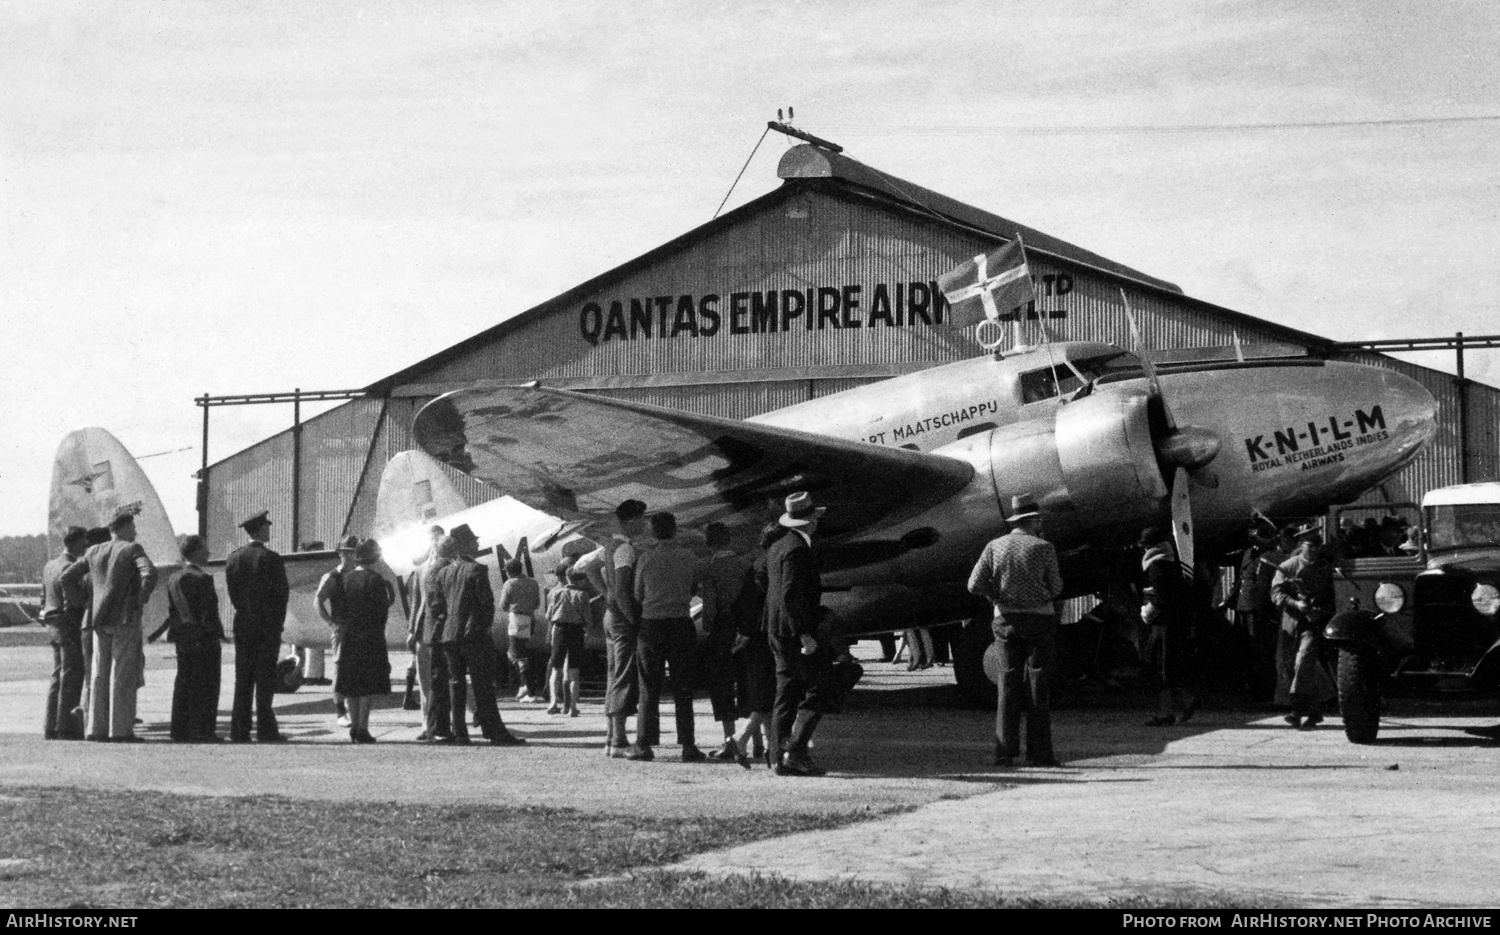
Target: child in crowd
x=568, y=611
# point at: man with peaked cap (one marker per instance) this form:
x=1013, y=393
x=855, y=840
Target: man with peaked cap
x=794, y=594
x=463, y=604
x=1303, y=589
x=122, y=578
x=256, y=580
x=1018, y=573
x=196, y=630
x=65, y=619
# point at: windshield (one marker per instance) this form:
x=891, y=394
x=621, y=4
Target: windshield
x=1093, y=368
x=1464, y=525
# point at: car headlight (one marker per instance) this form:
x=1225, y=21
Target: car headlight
x=1486, y=599
x=1390, y=598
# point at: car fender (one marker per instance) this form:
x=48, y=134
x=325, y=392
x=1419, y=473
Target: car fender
x=1487, y=673
x=1355, y=629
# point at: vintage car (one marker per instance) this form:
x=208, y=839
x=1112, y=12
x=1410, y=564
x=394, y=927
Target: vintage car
x=1428, y=619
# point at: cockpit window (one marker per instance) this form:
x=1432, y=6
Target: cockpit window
x=1067, y=377
x=1038, y=385
x=1093, y=368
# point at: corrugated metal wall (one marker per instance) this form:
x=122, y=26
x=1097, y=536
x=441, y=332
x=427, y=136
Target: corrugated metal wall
x=857, y=251
x=334, y=445
x=258, y=478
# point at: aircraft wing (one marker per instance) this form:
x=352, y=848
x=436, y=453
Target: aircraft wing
x=577, y=456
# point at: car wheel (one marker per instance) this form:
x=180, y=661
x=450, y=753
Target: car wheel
x=1359, y=695
x=974, y=683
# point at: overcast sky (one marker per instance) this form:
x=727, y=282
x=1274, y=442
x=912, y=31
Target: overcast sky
x=253, y=197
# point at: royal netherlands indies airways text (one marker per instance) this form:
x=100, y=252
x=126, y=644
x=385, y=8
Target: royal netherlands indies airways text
x=1372, y=920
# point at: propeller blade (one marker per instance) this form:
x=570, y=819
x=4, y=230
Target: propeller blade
x=1182, y=519
x=1147, y=363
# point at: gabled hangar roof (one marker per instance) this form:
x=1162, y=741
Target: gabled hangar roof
x=807, y=167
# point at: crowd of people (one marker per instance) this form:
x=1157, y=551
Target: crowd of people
x=770, y=670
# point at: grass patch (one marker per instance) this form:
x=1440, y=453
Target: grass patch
x=101, y=850
x=145, y=850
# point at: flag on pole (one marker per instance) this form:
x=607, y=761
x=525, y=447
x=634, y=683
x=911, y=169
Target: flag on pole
x=988, y=285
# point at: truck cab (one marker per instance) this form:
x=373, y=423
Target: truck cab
x=1427, y=619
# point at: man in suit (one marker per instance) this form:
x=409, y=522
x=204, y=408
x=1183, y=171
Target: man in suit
x=122, y=578
x=194, y=626
x=794, y=592
x=64, y=618
x=425, y=628
x=464, y=607
x=411, y=591
x=256, y=580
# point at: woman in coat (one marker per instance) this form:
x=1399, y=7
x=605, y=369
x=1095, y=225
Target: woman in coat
x=364, y=667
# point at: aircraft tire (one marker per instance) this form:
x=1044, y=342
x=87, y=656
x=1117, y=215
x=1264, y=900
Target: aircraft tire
x=1359, y=695
x=968, y=663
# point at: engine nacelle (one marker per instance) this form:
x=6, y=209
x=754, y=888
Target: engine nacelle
x=1093, y=471
x=1096, y=462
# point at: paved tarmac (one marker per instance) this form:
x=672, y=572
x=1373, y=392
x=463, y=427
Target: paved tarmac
x=1234, y=805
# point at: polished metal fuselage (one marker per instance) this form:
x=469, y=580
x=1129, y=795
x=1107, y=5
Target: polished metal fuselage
x=1294, y=436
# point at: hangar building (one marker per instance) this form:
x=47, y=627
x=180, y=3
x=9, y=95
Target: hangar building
x=825, y=283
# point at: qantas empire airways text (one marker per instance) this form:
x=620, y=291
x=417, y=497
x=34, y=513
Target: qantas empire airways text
x=816, y=308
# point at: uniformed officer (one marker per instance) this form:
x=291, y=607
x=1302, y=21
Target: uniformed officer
x=196, y=630
x=256, y=580
x=65, y=619
x=122, y=578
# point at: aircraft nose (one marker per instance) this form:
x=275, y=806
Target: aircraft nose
x=1410, y=412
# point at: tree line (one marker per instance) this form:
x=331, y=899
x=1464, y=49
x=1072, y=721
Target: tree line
x=22, y=558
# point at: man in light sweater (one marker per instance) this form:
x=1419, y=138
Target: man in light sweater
x=666, y=579
x=1018, y=573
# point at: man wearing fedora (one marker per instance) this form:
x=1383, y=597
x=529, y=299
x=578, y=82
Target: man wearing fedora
x=1303, y=589
x=255, y=577
x=794, y=594
x=1018, y=573
x=121, y=578
x=462, y=604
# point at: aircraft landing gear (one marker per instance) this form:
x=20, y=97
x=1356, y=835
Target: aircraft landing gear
x=976, y=680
